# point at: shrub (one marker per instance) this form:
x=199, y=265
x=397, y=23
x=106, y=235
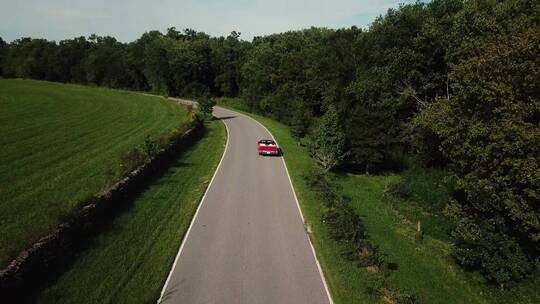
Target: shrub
x=346, y=227
x=400, y=190
x=132, y=159
x=194, y=117
x=206, y=105
x=328, y=146
x=343, y=223
x=150, y=148
x=391, y=295
x=365, y=254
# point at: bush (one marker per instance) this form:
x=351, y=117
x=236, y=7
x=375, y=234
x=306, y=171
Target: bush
x=206, y=105
x=400, y=190
x=344, y=225
x=150, y=148
x=400, y=297
x=132, y=159
x=365, y=254
x=328, y=146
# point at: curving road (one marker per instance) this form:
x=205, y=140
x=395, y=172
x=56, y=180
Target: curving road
x=247, y=242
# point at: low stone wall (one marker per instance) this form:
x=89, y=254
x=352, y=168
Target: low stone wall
x=51, y=253
x=184, y=101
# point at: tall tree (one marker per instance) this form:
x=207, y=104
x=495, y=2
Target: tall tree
x=328, y=147
x=489, y=130
x=3, y=48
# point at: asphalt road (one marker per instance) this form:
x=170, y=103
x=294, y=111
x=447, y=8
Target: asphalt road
x=247, y=243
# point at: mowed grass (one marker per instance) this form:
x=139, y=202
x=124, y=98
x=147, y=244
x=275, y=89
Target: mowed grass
x=424, y=269
x=59, y=145
x=130, y=261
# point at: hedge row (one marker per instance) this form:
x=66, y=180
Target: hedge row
x=346, y=227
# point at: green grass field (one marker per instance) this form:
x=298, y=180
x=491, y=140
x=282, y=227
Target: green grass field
x=59, y=145
x=130, y=261
x=425, y=269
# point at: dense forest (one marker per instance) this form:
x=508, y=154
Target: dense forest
x=452, y=83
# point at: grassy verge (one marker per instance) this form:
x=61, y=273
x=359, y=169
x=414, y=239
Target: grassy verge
x=129, y=262
x=59, y=145
x=424, y=269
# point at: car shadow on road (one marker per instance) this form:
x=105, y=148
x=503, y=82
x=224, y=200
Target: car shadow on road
x=224, y=117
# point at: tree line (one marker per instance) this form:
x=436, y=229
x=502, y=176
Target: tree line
x=451, y=83
x=176, y=63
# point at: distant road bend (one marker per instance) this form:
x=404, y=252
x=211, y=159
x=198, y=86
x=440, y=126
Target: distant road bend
x=247, y=242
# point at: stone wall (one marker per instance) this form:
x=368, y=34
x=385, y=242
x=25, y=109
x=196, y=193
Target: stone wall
x=51, y=253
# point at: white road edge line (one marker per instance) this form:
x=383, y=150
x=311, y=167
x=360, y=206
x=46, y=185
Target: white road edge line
x=321, y=273
x=194, y=217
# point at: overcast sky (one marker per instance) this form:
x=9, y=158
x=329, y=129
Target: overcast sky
x=127, y=20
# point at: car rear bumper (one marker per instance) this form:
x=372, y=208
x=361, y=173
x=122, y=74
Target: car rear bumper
x=269, y=152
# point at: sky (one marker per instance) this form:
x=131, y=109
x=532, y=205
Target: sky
x=128, y=20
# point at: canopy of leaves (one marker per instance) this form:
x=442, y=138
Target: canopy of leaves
x=328, y=147
x=489, y=131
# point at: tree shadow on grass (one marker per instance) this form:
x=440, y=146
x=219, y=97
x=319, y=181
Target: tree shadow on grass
x=386, y=167
x=64, y=261
x=168, y=178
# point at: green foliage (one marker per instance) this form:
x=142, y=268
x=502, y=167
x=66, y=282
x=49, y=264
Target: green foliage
x=397, y=296
x=398, y=190
x=206, y=105
x=424, y=140
x=345, y=226
x=328, y=146
x=301, y=119
x=489, y=131
x=150, y=147
x=375, y=139
x=132, y=159
x=343, y=223
x=365, y=254
x=187, y=63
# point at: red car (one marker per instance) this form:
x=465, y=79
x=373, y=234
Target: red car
x=268, y=147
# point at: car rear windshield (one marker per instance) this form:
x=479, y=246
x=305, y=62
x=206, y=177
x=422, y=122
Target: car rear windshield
x=267, y=142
